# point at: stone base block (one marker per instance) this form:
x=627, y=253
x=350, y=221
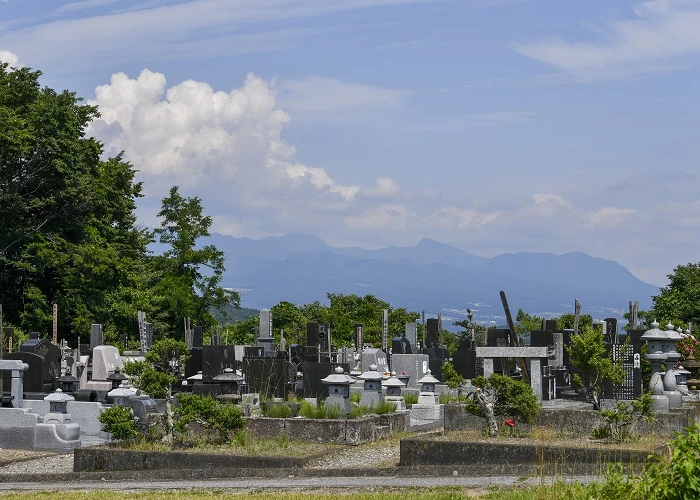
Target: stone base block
x=427, y=412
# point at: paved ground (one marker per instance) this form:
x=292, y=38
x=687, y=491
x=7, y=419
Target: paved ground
x=288, y=483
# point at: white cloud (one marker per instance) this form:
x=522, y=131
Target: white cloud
x=168, y=30
x=386, y=217
x=9, y=58
x=384, y=187
x=663, y=35
x=610, y=216
x=228, y=143
x=316, y=93
x=462, y=218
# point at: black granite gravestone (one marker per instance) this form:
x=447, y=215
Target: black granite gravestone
x=215, y=359
x=271, y=377
x=313, y=373
x=431, y=333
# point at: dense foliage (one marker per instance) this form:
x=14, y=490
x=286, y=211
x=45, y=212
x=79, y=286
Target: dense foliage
x=225, y=419
x=69, y=234
x=512, y=398
x=679, y=301
x=119, y=421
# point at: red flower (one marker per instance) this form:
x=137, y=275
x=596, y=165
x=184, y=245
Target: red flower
x=510, y=422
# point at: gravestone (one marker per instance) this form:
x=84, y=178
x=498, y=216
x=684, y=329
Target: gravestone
x=215, y=360
x=359, y=337
x=96, y=335
x=432, y=333
x=411, y=333
x=105, y=360
x=270, y=377
x=400, y=345
x=314, y=373
x=44, y=360
x=415, y=366
x=438, y=356
x=464, y=359
x=373, y=356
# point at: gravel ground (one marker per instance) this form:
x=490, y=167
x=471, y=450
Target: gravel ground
x=16, y=461
x=379, y=454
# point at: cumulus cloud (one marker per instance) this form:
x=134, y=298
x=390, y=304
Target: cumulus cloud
x=9, y=58
x=228, y=144
x=660, y=36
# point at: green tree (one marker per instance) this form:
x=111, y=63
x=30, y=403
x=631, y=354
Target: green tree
x=156, y=375
x=68, y=226
x=679, y=301
x=589, y=355
x=189, y=279
x=526, y=322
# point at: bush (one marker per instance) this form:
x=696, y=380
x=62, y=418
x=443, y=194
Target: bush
x=512, y=398
x=210, y=414
x=410, y=398
x=120, y=422
x=676, y=477
x=453, y=379
x=620, y=420
x=277, y=410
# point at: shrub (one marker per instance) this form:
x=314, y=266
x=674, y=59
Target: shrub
x=512, y=398
x=210, y=414
x=120, y=422
x=453, y=379
x=619, y=421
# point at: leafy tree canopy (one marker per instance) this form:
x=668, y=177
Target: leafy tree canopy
x=679, y=301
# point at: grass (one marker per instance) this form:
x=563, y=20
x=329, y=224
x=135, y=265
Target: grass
x=242, y=443
x=410, y=398
x=435, y=493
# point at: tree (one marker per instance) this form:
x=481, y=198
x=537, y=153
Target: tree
x=156, y=375
x=589, y=355
x=189, y=279
x=679, y=301
x=68, y=226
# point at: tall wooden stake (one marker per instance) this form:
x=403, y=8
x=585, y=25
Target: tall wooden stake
x=514, y=339
x=55, y=324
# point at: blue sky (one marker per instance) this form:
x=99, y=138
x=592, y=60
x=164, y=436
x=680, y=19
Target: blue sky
x=493, y=125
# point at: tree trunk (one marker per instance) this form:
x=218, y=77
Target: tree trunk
x=487, y=405
x=169, y=425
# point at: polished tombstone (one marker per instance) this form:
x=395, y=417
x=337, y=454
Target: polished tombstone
x=14, y=382
x=654, y=338
x=215, y=360
x=413, y=366
x=376, y=357
x=338, y=387
x=675, y=399
x=229, y=381
x=44, y=361
x=312, y=387
x=411, y=333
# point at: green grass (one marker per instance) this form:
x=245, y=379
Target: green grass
x=411, y=398
x=437, y=493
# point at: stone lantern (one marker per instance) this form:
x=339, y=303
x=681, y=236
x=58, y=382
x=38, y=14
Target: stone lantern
x=393, y=391
x=654, y=338
x=372, y=391
x=58, y=415
x=120, y=396
x=58, y=401
x=675, y=400
x=116, y=378
x=339, y=384
x=229, y=381
x=67, y=382
x=682, y=380
x=427, y=394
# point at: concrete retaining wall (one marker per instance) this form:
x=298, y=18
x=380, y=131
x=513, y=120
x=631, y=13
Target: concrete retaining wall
x=576, y=422
x=423, y=451
x=342, y=431
x=109, y=459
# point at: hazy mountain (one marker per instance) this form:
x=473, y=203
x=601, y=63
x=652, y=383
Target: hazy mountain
x=431, y=277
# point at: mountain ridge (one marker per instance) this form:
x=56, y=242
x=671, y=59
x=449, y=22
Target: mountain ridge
x=430, y=276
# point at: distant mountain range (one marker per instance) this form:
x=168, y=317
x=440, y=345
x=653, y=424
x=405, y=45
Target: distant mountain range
x=430, y=276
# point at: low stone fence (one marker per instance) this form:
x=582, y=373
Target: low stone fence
x=505, y=458
x=342, y=431
x=577, y=422
x=109, y=459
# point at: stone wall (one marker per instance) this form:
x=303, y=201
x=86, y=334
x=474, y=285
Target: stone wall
x=577, y=422
x=341, y=431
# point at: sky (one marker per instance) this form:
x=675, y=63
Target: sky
x=495, y=126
